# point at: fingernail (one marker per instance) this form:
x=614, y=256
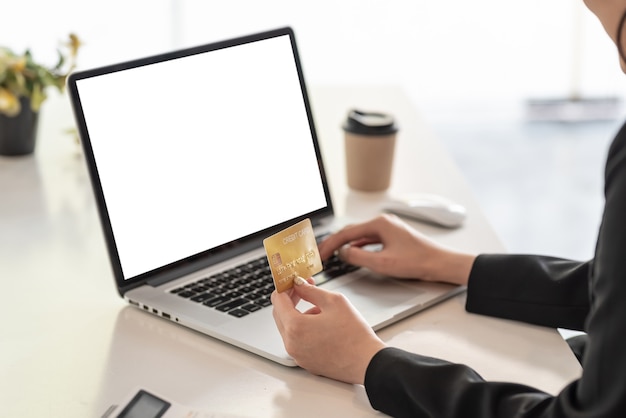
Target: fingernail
x=341, y=253
x=299, y=281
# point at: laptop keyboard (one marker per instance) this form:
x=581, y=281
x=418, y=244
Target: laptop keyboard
x=246, y=288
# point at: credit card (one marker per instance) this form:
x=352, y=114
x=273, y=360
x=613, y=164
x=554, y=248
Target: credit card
x=292, y=252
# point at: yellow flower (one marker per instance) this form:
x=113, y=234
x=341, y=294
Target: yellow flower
x=74, y=44
x=18, y=64
x=9, y=103
x=22, y=76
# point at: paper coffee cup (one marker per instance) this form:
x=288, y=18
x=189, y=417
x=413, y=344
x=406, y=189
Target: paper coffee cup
x=370, y=139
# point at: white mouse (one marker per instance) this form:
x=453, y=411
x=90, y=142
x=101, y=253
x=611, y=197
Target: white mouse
x=428, y=208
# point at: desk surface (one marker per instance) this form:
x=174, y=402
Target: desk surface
x=71, y=347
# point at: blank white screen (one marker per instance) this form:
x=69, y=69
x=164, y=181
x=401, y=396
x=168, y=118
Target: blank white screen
x=199, y=151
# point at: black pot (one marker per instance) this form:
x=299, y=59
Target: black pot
x=18, y=133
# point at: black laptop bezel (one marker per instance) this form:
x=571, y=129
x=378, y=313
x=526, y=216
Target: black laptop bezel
x=210, y=256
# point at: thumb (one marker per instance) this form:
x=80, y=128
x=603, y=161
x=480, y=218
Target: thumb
x=310, y=293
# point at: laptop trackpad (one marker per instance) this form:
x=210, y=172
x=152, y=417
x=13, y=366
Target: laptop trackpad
x=377, y=298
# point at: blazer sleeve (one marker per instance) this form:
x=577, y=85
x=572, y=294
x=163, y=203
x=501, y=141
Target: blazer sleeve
x=540, y=290
x=404, y=384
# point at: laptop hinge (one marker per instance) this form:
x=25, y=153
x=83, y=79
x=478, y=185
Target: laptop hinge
x=192, y=267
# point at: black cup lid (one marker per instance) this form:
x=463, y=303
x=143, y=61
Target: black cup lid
x=369, y=123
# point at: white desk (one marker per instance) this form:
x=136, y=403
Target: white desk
x=69, y=346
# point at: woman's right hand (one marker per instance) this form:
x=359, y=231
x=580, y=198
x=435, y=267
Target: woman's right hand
x=405, y=252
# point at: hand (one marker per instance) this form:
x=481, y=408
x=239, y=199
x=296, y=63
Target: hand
x=405, y=253
x=330, y=339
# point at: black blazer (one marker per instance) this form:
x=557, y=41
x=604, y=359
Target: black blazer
x=589, y=296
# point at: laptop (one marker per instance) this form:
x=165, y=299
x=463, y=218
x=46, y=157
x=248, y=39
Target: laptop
x=195, y=156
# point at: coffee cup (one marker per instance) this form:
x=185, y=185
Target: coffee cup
x=370, y=139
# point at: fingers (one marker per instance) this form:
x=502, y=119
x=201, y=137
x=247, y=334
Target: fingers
x=283, y=308
x=285, y=302
x=313, y=311
x=359, y=257
x=295, y=298
x=287, y=318
x=358, y=234
x=306, y=290
x=332, y=325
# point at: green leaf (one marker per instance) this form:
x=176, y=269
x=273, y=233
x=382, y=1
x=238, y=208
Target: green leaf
x=37, y=97
x=60, y=62
x=21, y=76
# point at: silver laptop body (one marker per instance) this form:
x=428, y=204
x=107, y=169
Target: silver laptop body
x=197, y=155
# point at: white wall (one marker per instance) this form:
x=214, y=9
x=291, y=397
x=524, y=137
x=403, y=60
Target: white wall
x=442, y=51
x=111, y=30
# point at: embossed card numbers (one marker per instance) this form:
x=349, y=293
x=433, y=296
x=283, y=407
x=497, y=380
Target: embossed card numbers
x=292, y=252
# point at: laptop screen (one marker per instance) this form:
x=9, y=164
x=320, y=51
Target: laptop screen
x=200, y=149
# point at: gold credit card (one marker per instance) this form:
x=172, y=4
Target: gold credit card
x=292, y=252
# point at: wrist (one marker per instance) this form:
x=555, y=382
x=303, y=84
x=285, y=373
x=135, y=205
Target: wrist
x=366, y=358
x=452, y=267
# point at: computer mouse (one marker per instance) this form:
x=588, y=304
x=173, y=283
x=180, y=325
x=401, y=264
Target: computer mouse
x=428, y=208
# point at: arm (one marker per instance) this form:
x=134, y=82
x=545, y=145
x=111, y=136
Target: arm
x=540, y=290
x=405, y=253
x=331, y=339
x=406, y=384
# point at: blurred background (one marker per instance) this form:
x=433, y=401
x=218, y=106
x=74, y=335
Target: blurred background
x=470, y=68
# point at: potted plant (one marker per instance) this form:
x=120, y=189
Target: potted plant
x=23, y=85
